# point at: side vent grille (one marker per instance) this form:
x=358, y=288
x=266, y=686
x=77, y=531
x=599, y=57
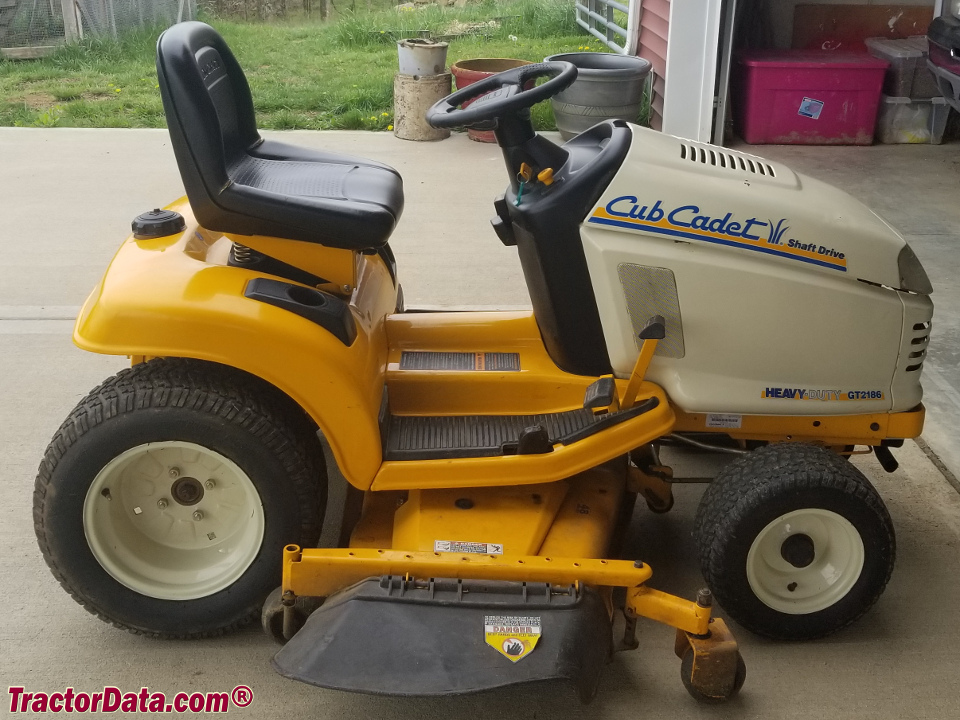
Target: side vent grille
x=650, y=291
x=721, y=158
x=918, y=346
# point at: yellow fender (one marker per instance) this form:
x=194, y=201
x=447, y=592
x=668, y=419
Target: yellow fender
x=175, y=297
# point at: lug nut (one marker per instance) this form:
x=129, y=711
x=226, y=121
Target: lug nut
x=704, y=597
x=209, y=484
x=197, y=515
x=162, y=503
x=174, y=473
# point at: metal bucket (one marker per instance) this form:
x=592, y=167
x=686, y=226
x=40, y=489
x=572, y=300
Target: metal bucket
x=608, y=86
x=419, y=56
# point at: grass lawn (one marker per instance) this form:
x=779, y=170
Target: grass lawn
x=303, y=74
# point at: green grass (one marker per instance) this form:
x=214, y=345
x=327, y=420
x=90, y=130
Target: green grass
x=303, y=74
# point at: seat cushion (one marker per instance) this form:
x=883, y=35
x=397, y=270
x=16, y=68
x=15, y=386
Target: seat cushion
x=287, y=191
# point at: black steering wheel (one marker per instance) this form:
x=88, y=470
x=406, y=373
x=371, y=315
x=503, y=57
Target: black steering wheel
x=502, y=94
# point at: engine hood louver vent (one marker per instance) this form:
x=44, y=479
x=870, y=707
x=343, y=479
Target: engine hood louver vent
x=726, y=159
x=918, y=346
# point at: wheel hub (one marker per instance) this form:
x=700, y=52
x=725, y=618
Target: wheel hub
x=805, y=561
x=177, y=540
x=798, y=550
x=187, y=491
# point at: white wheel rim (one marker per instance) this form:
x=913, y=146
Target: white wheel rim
x=836, y=564
x=160, y=546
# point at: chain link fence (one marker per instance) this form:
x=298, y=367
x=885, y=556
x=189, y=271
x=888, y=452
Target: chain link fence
x=29, y=27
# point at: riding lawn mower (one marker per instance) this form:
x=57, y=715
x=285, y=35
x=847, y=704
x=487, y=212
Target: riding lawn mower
x=682, y=294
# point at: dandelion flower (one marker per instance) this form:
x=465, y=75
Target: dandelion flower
x=389, y=127
x=384, y=114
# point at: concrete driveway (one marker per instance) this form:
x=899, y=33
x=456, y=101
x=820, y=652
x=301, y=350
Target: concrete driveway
x=68, y=197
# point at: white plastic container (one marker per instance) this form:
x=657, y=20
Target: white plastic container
x=908, y=75
x=903, y=120
x=422, y=57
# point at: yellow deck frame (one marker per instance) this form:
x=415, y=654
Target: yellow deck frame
x=320, y=572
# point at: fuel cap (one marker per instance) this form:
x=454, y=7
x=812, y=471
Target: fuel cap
x=157, y=223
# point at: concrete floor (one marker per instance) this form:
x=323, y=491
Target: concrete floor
x=68, y=197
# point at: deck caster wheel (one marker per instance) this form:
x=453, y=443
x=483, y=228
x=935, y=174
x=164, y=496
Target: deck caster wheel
x=164, y=501
x=794, y=541
x=658, y=504
x=711, y=696
x=276, y=613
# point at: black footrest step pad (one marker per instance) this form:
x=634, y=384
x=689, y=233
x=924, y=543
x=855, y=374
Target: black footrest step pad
x=462, y=436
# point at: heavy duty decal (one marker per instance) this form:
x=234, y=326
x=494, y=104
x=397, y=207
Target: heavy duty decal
x=513, y=637
x=785, y=393
x=687, y=221
x=477, y=548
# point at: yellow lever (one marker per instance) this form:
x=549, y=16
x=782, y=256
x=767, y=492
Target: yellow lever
x=653, y=332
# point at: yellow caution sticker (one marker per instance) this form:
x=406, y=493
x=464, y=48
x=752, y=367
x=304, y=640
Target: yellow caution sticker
x=511, y=636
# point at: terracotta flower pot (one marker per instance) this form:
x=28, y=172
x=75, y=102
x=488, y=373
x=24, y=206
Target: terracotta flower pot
x=467, y=72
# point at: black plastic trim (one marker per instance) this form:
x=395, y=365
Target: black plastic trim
x=655, y=329
x=262, y=263
x=473, y=436
x=600, y=394
x=329, y=312
x=611, y=419
x=546, y=226
x=395, y=636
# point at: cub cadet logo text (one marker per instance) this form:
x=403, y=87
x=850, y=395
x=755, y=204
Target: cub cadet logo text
x=822, y=395
x=687, y=221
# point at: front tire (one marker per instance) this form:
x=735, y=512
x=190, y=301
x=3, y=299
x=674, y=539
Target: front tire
x=164, y=501
x=794, y=541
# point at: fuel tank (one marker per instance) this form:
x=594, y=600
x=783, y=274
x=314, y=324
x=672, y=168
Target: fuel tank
x=782, y=294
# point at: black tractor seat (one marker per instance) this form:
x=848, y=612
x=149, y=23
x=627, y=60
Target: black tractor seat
x=239, y=183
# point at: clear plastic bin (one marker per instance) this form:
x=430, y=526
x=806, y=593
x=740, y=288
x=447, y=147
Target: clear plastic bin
x=905, y=120
x=908, y=75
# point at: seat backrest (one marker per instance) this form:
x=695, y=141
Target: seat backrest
x=209, y=109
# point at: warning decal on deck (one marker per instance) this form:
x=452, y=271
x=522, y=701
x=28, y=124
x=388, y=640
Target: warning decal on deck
x=511, y=636
x=456, y=546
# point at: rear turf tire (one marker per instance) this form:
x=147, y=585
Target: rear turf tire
x=119, y=533
x=794, y=541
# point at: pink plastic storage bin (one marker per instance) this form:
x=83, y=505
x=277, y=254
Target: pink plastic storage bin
x=808, y=97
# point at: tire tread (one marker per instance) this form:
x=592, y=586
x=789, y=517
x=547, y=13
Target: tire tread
x=229, y=394
x=757, y=480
